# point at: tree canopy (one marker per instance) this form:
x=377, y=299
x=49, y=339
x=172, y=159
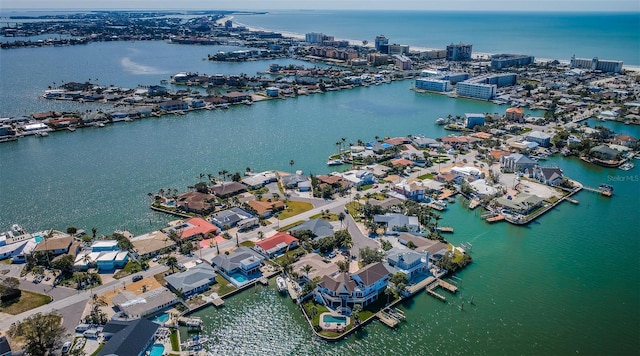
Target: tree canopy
x=369, y=255
x=41, y=332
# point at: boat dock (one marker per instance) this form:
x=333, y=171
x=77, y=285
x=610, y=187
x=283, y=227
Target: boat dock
x=605, y=192
x=473, y=204
x=441, y=283
x=391, y=317
x=387, y=319
x=191, y=322
x=218, y=302
x=264, y=281
x=445, y=229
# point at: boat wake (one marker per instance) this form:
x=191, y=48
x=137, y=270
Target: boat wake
x=136, y=68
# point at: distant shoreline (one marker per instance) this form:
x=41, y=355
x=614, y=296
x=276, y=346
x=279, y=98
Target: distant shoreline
x=476, y=55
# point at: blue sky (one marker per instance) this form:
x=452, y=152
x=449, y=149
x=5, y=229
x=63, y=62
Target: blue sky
x=474, y=5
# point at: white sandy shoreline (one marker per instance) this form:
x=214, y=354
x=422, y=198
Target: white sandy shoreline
x=476, y=55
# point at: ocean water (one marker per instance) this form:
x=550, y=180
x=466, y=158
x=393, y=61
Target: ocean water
x=544, y=35
x=566, y=284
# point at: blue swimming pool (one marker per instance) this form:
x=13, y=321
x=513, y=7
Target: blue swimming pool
x=162, y=318
x=156, y=350
x=38, y=238
x=328, y=318
x=239, y=277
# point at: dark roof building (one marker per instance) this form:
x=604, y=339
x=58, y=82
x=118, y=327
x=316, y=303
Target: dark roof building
x=226, y=189
x=319, y=228
x=133, y=340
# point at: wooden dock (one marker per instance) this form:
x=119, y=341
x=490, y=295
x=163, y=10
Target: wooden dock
x=387, y=319
x=448, y=229
x=473, y=204
x=218, y=302
x=264, y=281
x=435, y=294
x=448, y=286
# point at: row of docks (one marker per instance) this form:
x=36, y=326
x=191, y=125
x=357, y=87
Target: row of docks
x=391, y=317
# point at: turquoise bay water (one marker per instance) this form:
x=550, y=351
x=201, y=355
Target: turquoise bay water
x=566, y=284
x=544, y=35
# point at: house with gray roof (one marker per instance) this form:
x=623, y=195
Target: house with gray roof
x=134, y=306
x=522, y=203
x=434, y=248
x=227, y=189
x=293, y=181
x=320, y=228
x=234, y=217
x=548, y=175
x=409, y=262
x=243, y=263
x=133, y=340
x=396, y=223
x=341, y=292
x=541, y=138
x=516, y=162
x=192, y=281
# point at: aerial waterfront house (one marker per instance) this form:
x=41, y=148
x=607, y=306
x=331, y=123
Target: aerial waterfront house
x=514, y=114
x=516, y=162
x=472, y=120
x=541, y=138
x=132, y=306
x=261, y=179
x=196, y=202
x=276, y=244
x=482, y=189
x=174, y=105
x=240, y=266
x=341, y=292
x=522, y=203
x=193, y=280
x=411, y=263
x=57, y=245
x=293, y=181
x=109, y=261
x=548, y=175
x=228, y=189
x=151, y=244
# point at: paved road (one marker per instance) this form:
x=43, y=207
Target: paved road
x=70, y=303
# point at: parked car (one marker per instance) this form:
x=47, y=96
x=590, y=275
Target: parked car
x=137, y=278
x=66, y=347
x=332, y=254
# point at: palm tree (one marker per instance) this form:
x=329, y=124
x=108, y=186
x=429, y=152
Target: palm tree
x=291, y=163
x=355, y=313
x=307, y=269
x=172, y=262
x=94, y=231
x=388, y=292
x=341, y=217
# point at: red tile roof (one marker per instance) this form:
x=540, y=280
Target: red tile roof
x=402, y=162
x=274, y=240
x=199, y=226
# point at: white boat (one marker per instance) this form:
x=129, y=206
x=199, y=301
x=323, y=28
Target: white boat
x=440, y=121
x=627, y=166
x=334, y=162
x=42, y=134
x=282, y=285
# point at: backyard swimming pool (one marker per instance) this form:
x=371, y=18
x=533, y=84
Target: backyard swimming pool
x=38, y=238
x=156, y=350
x=238, y=279
x=328, y=318
x=162, y=318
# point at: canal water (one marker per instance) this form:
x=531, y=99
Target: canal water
x=567, y=283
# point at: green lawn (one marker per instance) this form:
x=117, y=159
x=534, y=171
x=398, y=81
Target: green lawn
x=366, y=186
x=27, y=301
x=328, y=217
x=175, y=344
x=294, y=208
x=98, y=349
x=129, y=269
x=427, y=176
x=222, y=286
x=247, y=243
